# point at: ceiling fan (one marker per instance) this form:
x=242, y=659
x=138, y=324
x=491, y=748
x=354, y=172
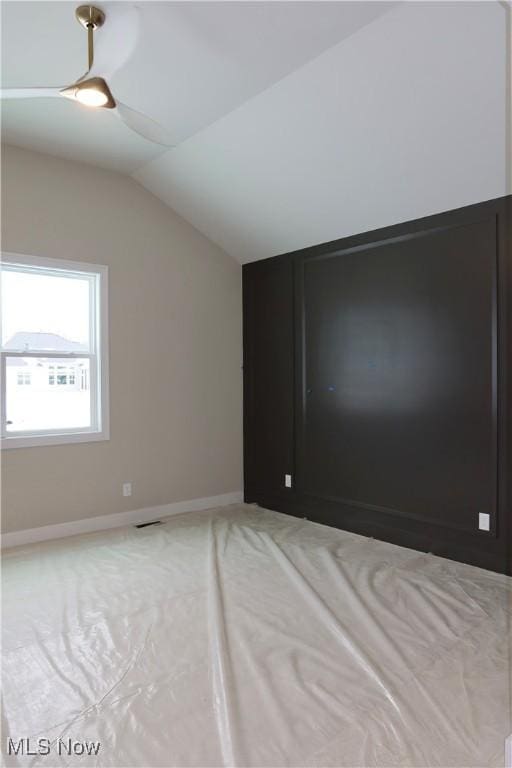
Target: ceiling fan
x=93, y=91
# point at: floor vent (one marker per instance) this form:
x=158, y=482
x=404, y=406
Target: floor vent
x=145, y=525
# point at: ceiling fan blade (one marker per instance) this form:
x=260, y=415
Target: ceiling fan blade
x=116, y=41
x=28, y=93
x=143, y=125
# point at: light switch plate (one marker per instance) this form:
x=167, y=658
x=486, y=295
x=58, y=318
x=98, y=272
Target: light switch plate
x=484, y=521
x=287, y=481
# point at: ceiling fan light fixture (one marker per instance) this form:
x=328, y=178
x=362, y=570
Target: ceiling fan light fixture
x=93, y=93
x=91, y=97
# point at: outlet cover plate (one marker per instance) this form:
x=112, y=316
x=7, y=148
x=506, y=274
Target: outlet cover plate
x=484, y=521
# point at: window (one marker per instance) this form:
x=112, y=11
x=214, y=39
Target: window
x=54, y=358
x=63, y=375
x=23, y=379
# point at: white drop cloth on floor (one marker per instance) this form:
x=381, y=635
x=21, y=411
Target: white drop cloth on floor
x=249, y=638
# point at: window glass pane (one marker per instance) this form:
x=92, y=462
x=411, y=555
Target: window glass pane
x=45, y=312
x=42, y=405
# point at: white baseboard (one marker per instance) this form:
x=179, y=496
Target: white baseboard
x=104, y=522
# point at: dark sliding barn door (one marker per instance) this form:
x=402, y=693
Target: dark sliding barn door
x=398, y=386
x=377, y=378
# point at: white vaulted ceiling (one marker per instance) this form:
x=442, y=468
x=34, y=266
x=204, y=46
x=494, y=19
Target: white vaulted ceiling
x=293, y=122
x=185, y=64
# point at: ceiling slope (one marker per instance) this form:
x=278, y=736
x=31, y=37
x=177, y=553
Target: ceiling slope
x=405, y=118
x=188, y=64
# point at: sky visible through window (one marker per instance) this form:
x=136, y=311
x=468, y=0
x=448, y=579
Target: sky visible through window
x=45, y=304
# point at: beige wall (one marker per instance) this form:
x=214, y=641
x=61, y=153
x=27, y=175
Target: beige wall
x=175, y=347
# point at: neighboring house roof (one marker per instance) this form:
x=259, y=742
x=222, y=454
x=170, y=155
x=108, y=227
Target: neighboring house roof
x=33, y=341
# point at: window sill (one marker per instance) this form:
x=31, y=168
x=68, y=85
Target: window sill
x=35, y=441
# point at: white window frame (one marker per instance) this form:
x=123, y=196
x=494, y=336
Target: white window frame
x=98, y=355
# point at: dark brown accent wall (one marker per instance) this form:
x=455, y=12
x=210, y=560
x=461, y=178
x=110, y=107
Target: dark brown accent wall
x=375, y=374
